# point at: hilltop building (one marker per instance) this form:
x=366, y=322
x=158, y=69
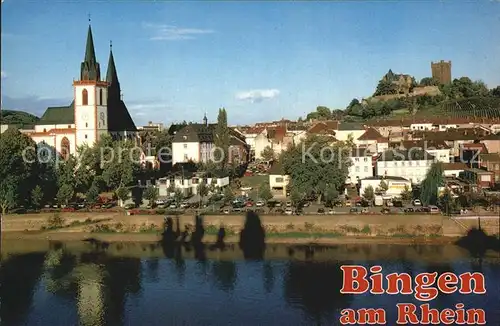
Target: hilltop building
x=441, y=71
x=97, y=109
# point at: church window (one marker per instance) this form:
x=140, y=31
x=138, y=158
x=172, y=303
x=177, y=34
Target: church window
x=85, y=97
x=44, y=130
x=86, y=125
x=100, y=96
x=85, y=136
x=65, y=148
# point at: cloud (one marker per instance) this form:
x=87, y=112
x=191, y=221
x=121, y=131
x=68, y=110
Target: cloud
x=174, y=33
x=258, y=95
x=4, y=74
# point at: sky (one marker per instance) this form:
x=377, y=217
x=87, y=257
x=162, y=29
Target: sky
x=260, y=60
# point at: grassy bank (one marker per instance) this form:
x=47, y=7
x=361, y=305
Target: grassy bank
x=309, y=228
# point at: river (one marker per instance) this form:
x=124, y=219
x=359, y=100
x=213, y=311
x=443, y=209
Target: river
x=142, y=284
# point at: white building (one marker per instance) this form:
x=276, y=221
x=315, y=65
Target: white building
x=421, y=126
x=349, y=131
x=278, y=181
x=437, y=148
x=411, y=164
x=362, y=166
x=454, y=169
x=96, y=109
x=188, y=184
x=195, y=143
x=395, y=185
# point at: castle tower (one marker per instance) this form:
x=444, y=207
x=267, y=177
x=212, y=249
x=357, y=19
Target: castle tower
x=441, y=71
x=90, y=98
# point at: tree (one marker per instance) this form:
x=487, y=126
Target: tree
x=446, y=202
x=65, y=194
x=19, y=167
x=151, y=194
x=202, y=189
x=92, y=195
x=321, y=113
x=433, y=180
x=429, y=81
x=7, y=197
x=385, y=87
x=37, y=196
x=178, y=196
x=265, y=191
x=222, y=138
x=123, y=193
x=496, y=91
x=369, y=193
x=406, y=194
x=331, y=194
x=268, y=153
x=382, y=187
x=316, y=164
x=295, y=197
x=228, y=195
x=120, y=164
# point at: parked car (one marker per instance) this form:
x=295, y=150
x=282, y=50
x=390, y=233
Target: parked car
x=260, y=203
x=385, y=211
x=417, y=202
x=129, y=206
x=353, y=210
x=288, y=204
x=288, y=211
x=434, y=209
x=321, y=211
x=331, y=212
x=409, y=210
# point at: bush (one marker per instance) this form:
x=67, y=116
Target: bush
x=55, y=221
x=160, y=211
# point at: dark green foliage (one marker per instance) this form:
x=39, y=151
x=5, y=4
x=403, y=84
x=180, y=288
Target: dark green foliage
x=315, y=165
x=433, y=180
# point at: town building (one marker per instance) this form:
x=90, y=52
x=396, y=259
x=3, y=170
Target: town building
x=453, y=169
x=395, y=185
x=278, y=180
x=349, y=130
x=491, y=162
x=362, y=165
x=437, y=148
x=195, y=142
x=152, y=126
x=480, y=178
x=410, y=164
x=97, y=109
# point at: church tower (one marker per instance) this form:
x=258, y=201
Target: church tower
x=90, y=98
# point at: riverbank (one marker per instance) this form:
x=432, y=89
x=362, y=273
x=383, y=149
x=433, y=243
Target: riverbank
x=322, y=229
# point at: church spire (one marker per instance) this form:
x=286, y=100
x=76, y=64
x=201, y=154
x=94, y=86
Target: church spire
x=90, y=69
x=111, y=75
x=114, y=91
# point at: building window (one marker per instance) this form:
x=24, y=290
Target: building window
x=356, y=159
x=366, y=159
x=100, y=96
x=86, y=125
x=278, y=180
x=44, y=130
x=65, y=148
x=185, y=157
x=85, y=97
x=85, y=136
x=69, y=126
x=185, y=146
x=357, y=169
x=366, y=169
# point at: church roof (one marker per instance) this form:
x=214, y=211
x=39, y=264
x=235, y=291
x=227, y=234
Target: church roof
x=90, y=69
x=119, y=118
x=58, y=115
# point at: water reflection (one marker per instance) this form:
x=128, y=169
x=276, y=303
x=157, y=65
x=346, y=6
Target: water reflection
x=148, y=284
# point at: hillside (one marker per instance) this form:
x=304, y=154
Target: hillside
x=12, y=117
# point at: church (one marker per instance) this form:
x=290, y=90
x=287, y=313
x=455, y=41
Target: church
x=97, y=109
